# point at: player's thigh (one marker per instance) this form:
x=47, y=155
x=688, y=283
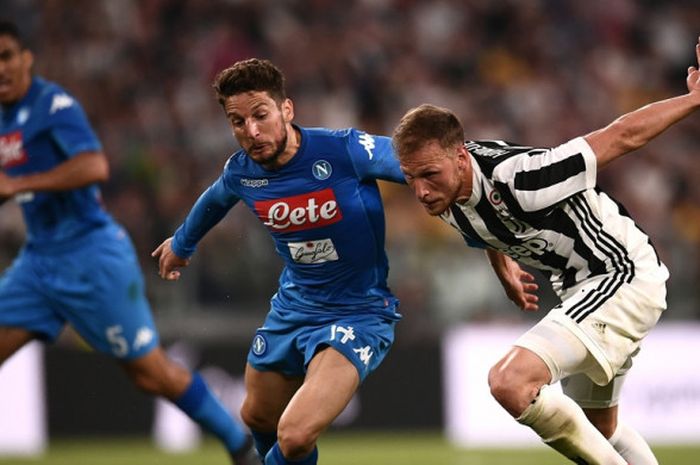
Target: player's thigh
x=610, y=320
x=330, y=383
x=520, y=367
x=590, y=395
x=101, y=292
x=267, y=395
x=25, y=310
x=560, y=349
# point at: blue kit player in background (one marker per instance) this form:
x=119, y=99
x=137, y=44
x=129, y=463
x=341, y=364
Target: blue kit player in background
x=77, y=264
x=332, y=319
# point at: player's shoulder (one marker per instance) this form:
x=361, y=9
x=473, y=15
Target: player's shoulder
x=325, y=132
x=494, y=148
x=238, y=162
x=52, y=97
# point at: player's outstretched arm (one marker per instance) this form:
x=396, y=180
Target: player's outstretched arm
x=633, y=130
x=79, y=171
x=169, y=263
x=520, y=286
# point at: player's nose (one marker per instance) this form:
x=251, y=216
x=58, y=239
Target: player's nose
x=252, y=129
x=420, y=189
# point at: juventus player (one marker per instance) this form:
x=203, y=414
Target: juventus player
x=541, y=207
x=332, y=320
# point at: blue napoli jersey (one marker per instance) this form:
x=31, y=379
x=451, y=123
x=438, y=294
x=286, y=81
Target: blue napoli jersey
x=45, y=128
x=323, y=209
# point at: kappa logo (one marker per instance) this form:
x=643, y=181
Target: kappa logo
x=60, y=102
x=259, y=345
x=299, y=212
x=367, y=142
x=144, y=336
x=322, y=170
x=254, y=182
x=12, y=150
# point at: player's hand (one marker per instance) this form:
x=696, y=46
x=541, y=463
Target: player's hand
x=693, y=79
x=520, y=287
x=169, y=263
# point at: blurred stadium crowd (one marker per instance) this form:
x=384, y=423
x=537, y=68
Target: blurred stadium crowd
x=536, y=72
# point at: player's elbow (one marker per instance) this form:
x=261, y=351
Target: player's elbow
x=101, y=168
x=625, y=136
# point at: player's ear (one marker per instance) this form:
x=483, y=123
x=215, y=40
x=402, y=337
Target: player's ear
x=27, y=58
x=462, y=158
x=287, y=110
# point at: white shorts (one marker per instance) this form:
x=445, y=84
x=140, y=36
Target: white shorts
x=611, y=333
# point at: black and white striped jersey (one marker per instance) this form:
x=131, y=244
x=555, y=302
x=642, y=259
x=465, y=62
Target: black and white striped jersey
x=541, y=207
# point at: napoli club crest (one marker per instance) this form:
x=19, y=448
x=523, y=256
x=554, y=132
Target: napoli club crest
x=259, y=345
x=322, y=170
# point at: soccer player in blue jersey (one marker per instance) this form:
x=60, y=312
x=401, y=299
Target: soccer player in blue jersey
x=541, y=207
x=332, y=319
x=78, y=265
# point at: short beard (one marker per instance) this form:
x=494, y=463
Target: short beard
x=271, y=162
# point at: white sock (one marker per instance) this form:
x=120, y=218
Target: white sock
x=632, y=446
x=563, y=426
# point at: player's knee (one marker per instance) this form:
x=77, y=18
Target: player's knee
x=256, y=419
x=509, y=391
x=296, y=442
x=147, y=383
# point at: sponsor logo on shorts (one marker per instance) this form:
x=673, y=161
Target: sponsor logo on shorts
x=321, y=170
x=11, y=150
x=308, y=252
x=299, y=212
x=259, y=345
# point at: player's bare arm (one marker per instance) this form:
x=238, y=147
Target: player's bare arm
x=518, y=284
x=82, y=170
x=168, y=262
x=635, y=129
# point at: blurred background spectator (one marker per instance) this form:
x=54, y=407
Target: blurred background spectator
x=537, y=72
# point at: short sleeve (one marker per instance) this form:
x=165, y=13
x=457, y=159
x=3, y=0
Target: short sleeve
x=539, y=181
x=373, y=157
x=68, y=124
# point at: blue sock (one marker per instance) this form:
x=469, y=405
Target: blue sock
x=199, y=404
x=275, y=457
x=264, y=441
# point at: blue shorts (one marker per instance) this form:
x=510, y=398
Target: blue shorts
x=96, y=285
x=288, y=341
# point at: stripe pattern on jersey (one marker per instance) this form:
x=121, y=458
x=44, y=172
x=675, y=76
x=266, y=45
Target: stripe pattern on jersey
x=623, y=266
x=577, y=244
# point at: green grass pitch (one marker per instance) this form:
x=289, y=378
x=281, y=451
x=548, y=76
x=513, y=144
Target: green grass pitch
x=335, y=449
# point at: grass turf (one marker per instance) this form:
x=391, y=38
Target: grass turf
x=335, y=449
